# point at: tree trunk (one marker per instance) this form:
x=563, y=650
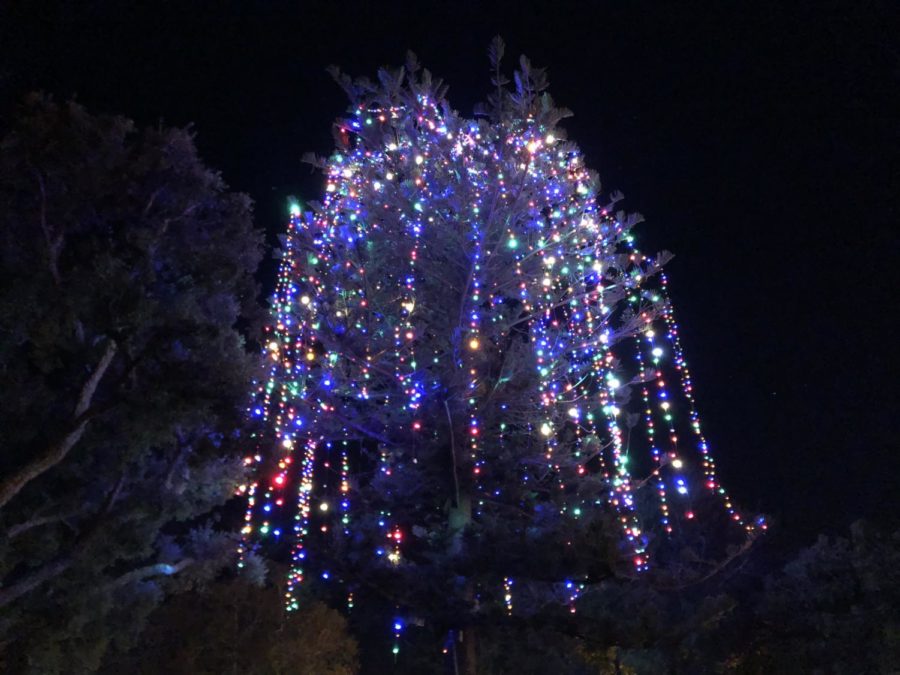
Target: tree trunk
x=458, y=518
x=470, y=652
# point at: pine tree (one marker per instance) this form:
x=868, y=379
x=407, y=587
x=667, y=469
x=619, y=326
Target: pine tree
x=445, y=425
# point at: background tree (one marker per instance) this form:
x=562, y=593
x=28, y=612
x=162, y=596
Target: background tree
x=125, y=268
x=235, y=626
x=446, y=425
x=833, y=608
x=828, y=607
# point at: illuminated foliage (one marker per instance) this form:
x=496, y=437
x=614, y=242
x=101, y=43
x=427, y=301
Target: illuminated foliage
x=457, y=334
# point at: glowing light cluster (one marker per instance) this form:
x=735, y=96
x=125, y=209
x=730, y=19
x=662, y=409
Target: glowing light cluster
x=507, y=595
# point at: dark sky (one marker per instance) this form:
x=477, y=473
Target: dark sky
x=760, y=140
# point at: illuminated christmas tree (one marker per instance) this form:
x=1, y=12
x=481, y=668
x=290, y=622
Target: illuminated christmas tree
x=477, y=401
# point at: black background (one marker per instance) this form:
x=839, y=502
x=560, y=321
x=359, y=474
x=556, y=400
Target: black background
x=760, y=140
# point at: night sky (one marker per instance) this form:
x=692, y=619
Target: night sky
x=760, y=142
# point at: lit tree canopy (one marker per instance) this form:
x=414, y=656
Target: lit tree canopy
x=126, y=265
x=446, y=407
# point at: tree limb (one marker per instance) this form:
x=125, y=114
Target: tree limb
x=35, y=579
x=22, y=528
x=62, y=562
x=54, y=244
x=452, y=452
x=374, y=435
x=715, y=568
x=150, y=571
x=10, y=486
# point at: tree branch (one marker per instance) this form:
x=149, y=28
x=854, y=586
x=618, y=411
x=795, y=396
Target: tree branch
x=150, y=571
x=453, y=452
x=54, y=244
x=35, y=579
x=367, y=432
x=62, y=562
x=57, y=451
x=90, y=387
x=715, y=568
x=22, y=528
